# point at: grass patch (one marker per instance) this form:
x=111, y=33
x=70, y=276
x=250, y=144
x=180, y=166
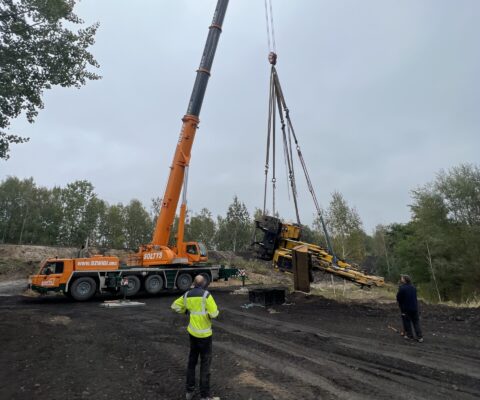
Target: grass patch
x=252, y=265
x=345, y=292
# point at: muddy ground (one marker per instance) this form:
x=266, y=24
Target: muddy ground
x=312, y=348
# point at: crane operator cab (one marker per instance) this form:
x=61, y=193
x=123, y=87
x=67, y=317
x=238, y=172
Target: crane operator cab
x=196, y=252
x=49, y=276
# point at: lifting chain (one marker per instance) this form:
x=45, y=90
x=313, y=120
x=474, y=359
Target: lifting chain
x=278, y=105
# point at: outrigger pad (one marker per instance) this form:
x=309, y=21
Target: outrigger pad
x=267, y=297
x=121, y=303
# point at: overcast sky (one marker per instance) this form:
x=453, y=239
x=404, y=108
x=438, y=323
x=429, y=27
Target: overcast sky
x=383, y=95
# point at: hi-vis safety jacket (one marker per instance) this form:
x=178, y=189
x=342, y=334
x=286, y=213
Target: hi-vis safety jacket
x=200, y=305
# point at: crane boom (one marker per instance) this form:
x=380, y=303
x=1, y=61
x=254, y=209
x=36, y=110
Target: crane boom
x=181, y=158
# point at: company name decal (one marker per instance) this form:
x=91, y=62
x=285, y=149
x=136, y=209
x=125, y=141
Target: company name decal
x=49, y=282
x=153, y=256
x=97, y=263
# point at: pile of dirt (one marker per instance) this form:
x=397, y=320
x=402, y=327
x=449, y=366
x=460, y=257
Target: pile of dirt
x=29, y=253
x=20, y=261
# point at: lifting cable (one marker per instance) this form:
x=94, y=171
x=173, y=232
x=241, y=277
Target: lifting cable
x=272, y=47
x=277, y=104
x=271, y=127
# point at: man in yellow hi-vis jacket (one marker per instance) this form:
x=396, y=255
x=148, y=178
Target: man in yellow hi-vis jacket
x=201, y=307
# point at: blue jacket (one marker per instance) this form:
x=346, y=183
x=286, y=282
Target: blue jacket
x=407, y=298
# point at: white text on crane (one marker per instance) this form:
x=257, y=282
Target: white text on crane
x=153, y=256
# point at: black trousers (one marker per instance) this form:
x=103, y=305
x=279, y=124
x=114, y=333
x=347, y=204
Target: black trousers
x=199, y=347
x=410, y=318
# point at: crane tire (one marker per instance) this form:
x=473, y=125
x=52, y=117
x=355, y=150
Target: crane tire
x=184, y=281
x=153, y=284
x=134, y=285
x=83, y=288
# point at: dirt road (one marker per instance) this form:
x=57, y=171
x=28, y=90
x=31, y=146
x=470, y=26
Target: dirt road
x=314, y=348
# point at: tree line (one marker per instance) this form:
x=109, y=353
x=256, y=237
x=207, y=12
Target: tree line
x=68, y=216
x=438, y=247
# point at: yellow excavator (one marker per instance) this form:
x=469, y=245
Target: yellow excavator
x=278, y=239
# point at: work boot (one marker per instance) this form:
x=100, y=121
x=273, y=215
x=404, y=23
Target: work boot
x=189, y=395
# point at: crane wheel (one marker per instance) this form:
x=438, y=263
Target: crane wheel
x=184, y=281
x=83, y=288
x=153, y=284
x=134, y=285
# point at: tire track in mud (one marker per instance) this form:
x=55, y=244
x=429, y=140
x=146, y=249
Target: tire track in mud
x=347, y=367
x=465, y=365
x=293, y=366
x=293, y=376
x=340, y=380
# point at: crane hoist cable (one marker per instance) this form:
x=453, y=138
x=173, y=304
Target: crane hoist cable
x=278, y=105
x=272, y=47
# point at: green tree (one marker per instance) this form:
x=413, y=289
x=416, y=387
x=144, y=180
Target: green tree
x=345, y=227
x=459, y=190
x=235, y=230
x=310, y=235
x=79, y=213
x=381, y=251
x=51, y=216
x=138, y=225
x=17, y=204
x=94, y=215
x=39, y=49
x=394, y=247
x=112, y=227
x=29, y=214
x=446, y=218
x=439, y=246
x=202, y=228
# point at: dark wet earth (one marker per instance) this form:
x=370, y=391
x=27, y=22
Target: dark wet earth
x=313, y=348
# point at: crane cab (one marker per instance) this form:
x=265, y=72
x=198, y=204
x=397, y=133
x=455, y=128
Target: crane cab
x=52, y=275
x=194, y=252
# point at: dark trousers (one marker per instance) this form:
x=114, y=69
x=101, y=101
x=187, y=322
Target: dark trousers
x=203, y=348
x=410, y=318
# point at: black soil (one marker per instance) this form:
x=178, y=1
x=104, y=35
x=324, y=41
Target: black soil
x=313, y=348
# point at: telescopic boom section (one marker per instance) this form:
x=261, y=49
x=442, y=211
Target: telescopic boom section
x=181, y=158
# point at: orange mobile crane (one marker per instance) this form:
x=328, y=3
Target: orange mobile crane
x=158, y=252
x=156, y=265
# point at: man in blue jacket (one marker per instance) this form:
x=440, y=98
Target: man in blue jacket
x=407, y=300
